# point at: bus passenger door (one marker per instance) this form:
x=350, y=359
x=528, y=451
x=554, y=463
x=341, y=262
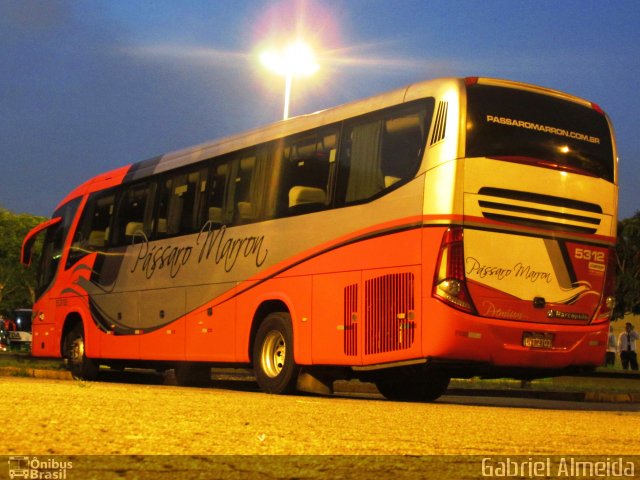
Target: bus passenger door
x=337, y=319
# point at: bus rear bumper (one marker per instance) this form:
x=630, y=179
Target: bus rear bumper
x=507, y=344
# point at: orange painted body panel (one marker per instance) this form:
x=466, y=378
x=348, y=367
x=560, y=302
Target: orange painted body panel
x=119, y=346
x=167, y=343
x=499, y=342
x=333, y=273
x=46, y=340
x=50, y=312
x=100, y=182
x=211, y=331
x=334, y=342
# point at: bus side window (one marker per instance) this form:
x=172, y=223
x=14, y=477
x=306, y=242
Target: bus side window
x=180, y=203
x=307, y=164
x=382, y=152
x=133, y=220
x=215, y=207
x=251, y=179
x=93, y=229
x=243, y=198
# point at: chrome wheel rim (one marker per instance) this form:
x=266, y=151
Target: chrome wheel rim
x=76, y=351
x=274, y=354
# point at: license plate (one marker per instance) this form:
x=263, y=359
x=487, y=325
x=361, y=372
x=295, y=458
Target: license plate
x=537, y=340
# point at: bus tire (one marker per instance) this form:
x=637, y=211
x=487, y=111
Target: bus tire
x=436, y=383
x=273, y=362
x=75, y=357
x=193, y=374
x=411, y=386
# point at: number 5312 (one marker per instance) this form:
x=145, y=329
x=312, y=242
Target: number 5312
x=590, y=255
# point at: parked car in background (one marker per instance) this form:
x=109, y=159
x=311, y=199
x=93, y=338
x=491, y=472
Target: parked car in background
x=15, y=334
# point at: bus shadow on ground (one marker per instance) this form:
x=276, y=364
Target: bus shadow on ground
x=239, y=382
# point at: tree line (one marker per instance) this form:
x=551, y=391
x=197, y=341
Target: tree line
x=628, y=267
x=17, y=284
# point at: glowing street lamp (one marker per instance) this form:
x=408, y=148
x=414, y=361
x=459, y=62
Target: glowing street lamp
x=297, y=59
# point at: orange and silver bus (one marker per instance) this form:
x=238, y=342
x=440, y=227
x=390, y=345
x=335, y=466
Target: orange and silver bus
x=451, y=228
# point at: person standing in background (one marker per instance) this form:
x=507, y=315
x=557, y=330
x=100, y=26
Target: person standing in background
x=627, y=347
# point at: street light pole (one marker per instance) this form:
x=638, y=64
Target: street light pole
x=287, y=94
x=297, y=59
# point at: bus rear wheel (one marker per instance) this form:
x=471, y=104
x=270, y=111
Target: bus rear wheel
x=75, y=357
x=412, y=385
x=273, y=363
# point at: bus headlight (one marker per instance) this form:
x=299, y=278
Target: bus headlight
x=610, y=302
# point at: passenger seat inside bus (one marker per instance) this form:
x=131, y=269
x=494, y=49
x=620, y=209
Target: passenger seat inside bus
x=245, y=212
x=215, y=215
x=303, y=199
x=96, y=239
x=132, y=229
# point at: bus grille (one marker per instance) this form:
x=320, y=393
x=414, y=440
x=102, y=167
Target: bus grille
x=389, y=312
x=540, y=211
x=350, y=320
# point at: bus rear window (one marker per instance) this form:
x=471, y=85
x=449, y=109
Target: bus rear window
x=528, y=127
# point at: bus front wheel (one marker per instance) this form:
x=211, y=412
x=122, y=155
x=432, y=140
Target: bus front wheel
x=75, y=357
x=273, y=363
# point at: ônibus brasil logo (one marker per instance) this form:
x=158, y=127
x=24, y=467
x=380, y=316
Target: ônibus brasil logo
x=41, y=469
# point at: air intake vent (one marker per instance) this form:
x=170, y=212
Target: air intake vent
x=389, y=313
x=440, y=124
x=350, y=320
x=541, y=211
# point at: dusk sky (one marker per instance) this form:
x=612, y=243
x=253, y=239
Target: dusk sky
x=88, y=86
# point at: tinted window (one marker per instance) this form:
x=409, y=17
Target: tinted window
x=216, y=211
x=307, y=164
x=382, y=151
x=525, y=126
x=250, y=192
x=181, y=203
x=133, y=220
x=93, y=229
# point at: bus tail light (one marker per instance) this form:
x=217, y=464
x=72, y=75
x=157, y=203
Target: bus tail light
x=450, y=282
x=608, y=299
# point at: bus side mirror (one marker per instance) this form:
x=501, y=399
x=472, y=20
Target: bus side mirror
x=25, y=255
x=29, y=240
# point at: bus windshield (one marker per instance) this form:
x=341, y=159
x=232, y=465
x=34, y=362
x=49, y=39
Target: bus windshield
x=52, y=247
x=527, y=127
